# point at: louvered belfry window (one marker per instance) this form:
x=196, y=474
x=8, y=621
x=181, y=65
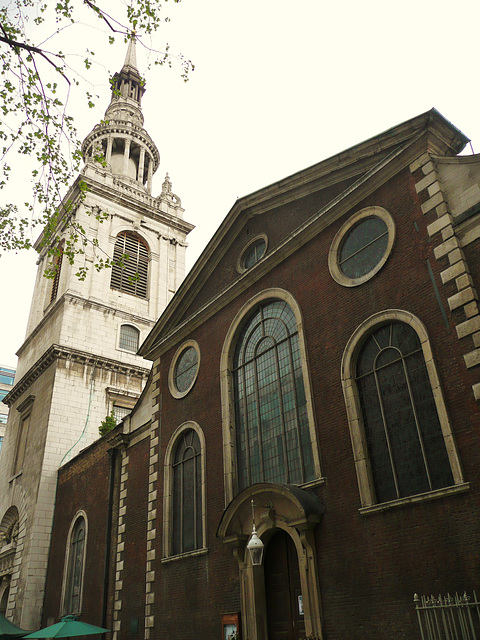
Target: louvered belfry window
x=130, y=273
x=56, y=277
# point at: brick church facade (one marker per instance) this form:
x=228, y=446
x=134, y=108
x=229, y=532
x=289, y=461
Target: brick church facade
x=316, y=375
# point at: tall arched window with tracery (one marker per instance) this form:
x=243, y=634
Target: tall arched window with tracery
x=401, y=435
x=187, y=521
x=130, y=268
x=402, y=428
x=73, y=585
x=273, y=442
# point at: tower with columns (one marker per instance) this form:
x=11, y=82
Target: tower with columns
x=79, y=360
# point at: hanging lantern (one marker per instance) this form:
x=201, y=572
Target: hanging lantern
x=256, y=548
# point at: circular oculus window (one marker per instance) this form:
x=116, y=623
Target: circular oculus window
x=184, y=369
x=362, y=246
x=252, y=254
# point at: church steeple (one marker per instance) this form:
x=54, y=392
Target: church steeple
x=129, y=152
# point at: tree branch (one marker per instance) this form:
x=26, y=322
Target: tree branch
x=32, y=49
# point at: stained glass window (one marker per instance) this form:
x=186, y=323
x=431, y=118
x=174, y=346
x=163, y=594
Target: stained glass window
x=130, y=268
x=273, y=441
x=402, y=429
x=187, y=494
x=74, y=584
x=363, y=247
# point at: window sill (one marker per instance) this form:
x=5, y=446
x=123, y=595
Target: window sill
x=188, y=554
x=421, y=497
x=313, y=483
x=132, y=353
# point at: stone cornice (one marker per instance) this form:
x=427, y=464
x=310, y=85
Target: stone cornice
x=58, y=352
x=135, y=200
x=127, y=196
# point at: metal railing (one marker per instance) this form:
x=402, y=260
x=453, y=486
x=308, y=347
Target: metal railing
x=448, y=617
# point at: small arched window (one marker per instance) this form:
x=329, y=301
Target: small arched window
x=129, y=338
x=75, y=567
x=187, y=521
x=273, y=442
x=130, y=268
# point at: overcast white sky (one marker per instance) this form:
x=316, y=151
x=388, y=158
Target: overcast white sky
x=278, y=86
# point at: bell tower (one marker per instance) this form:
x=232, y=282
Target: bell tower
x=79, y=360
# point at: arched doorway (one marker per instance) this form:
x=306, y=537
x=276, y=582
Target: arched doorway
x=283, y=592
x=286, y=517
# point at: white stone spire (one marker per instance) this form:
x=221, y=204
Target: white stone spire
x=129, y=152
x=131, y=57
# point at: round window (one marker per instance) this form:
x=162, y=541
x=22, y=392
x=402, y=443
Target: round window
x=252, y=254
x=362, y=246
x=184, y=369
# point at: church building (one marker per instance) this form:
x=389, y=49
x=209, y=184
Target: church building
x=79, y=361
x=314, y=395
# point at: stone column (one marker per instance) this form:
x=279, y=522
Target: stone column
x=126, y=156
x=108, y=153
x=141, y=165
x=150, y=174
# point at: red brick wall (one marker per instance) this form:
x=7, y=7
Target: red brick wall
x=369, y=566
x=82, y=485
x=135, y=538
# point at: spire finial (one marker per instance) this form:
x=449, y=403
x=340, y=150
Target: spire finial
x=131, y=57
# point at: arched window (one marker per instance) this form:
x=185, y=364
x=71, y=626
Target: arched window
x=129, y=338
x=273, y=442
x=403, y=444
x=187, y=498
x=75, y=567
x=130, y=268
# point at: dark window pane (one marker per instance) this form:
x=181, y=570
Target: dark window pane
x=186, y=369
x=187, y=494
x=363, y=247
x=254, y=253
x=403, y=434
x=74, y=583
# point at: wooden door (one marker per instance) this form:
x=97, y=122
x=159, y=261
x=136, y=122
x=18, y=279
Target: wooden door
x=283, y=592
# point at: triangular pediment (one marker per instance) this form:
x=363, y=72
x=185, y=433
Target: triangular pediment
x=289, y=212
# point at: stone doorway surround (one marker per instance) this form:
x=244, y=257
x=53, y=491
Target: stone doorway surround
x=293, y=510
